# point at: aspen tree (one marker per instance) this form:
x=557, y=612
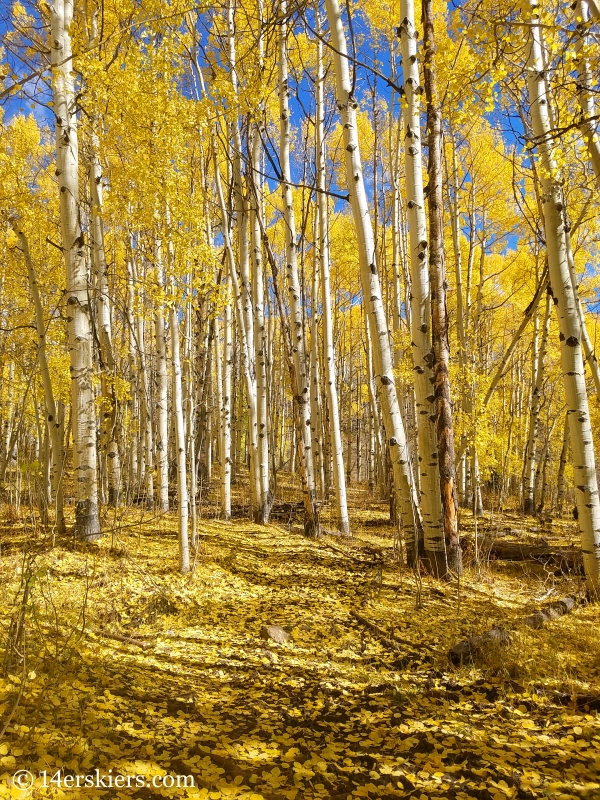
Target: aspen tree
x=428, y=466
x=561, y=483
x=324, y=265
x=177, y=394
x=162, y=379
x=147, y=433
x=243, y=291
x=298, y=340
x=54, y=412
x=439, y=315
x=586, y=484
x=534, y=417
x=406, y=497
x=109, y=412
x=585, y=91
x=87, y=521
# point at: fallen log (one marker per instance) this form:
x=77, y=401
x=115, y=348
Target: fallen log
x=550, y=612
x=565, y=556
x=471, y=647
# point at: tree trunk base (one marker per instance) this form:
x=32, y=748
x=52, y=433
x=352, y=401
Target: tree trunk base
x=87, y=521
x=528, y=506
x=263, y=513
x=436, y=563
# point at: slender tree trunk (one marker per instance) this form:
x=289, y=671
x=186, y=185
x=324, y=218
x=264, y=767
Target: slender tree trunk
x=441, y=347
x=265, y=499
x=534, y=416
x=561, y=483
x=162, y=385
x=54, y=412
x=324, y=263
x=586, y=484
x=299, y=353
x=180, y=438
x=406, y=496
x=87, y=520
x=428, y=464
x=585, y=87
x=227, y=366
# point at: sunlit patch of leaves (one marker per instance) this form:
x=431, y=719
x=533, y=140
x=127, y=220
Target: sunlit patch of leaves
x=133, y=667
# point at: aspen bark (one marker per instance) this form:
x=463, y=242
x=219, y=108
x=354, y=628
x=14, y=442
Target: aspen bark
x=439, y=332
x=162, y=384
x=585, y=90
x=561, y=483
x=87, y=521
x=180, y=439
x=242, y=289
x=298, y=340
x=406, y=497
x=586, y=484
x=54, y=412
x=427, y=459
x=109, y=411
x=534, y=416
x=265, y=498
x=339, y=482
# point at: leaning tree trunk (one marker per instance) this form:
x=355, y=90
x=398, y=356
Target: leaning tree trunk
x=87, y=520
x=54, y=414
x=439, y=316
x=407, y=500
x=582, y=444
x=337, y=454
x=428, y=464
x=300, y=355
x=585, y=87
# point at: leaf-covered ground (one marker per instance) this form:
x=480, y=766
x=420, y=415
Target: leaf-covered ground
x=363, y=701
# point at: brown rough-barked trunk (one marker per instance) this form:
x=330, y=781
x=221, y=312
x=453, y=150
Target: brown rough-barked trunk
x=452, y=562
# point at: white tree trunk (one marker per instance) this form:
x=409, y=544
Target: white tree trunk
x=54, y=413
x=180, y=438
x=264, y=500
x=534, y=416
x=162, y=385
x=582, y=444
x=87, y=521
x=407, y=500
x=431, y=503
x=298, y=341
x=337, y=454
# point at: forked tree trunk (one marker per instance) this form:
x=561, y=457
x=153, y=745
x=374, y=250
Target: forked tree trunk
x=406, y=497
x=441, y=348
x=582, y=444
x=87, y=520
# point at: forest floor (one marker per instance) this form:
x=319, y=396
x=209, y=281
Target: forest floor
x=134, y=668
